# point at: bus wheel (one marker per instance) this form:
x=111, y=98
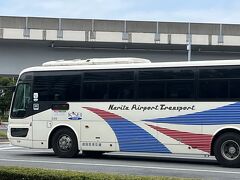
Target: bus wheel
x=227, y=150
x=64, y=143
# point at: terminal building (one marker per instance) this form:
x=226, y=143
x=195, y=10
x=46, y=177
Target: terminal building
x=31, y=41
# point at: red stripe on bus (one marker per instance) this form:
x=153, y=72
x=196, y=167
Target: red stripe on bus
x=104, y=114
x=199, y=141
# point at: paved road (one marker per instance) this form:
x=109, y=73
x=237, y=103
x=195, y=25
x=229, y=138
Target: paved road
x=141, y=164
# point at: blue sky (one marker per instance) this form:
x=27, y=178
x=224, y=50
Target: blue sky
x=218, y=11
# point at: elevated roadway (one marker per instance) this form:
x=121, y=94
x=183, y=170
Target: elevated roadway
x=30, y=41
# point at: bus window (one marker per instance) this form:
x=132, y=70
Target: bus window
x=161, y=74
x=108, y=85
x=234, y=88
x=95, y=91
x=108, y=76
x=166, y=84
x=180, y=89
x=21, y=101
x=121, y=90
x=60, y=87
x=151, y=90
x=213, y=89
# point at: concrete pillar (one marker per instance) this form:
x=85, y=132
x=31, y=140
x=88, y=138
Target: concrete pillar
x=93, y=35
x=26, y=31
x=86, y=35
x=157, y=34
x=169, y=39
x=93, y=32
x=59, y=31
x=1, y=33
x=220, y=36
x=44, y=35
x=210, y=39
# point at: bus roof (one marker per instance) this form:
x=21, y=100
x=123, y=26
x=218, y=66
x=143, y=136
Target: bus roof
x=133, y=65
x=96, y=61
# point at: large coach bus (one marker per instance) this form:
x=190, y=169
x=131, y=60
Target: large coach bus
x=129, y=105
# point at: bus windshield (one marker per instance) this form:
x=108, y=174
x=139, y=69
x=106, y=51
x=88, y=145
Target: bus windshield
x=21, y=100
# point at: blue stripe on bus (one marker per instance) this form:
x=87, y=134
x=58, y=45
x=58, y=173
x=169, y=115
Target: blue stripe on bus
x=132, y=138
x=229, y=114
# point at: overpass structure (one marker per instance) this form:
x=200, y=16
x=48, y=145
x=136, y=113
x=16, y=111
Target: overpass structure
x=31, y=41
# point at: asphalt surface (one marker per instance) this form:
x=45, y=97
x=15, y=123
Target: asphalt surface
x=120, y=163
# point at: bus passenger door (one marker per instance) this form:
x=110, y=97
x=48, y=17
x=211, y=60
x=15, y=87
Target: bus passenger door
x=20, y=121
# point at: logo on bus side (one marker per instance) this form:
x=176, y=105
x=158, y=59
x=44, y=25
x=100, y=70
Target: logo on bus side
x=74, y=116
x=158, y=107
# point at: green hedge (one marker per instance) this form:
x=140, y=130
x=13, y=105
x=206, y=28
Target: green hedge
x=17, y=173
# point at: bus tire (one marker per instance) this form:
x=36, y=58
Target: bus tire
x=227, y=149
x=64, y=143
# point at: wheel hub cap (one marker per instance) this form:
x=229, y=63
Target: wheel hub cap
x=230, y=150
x=65, y=143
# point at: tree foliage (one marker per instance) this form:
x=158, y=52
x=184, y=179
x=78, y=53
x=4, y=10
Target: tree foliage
x=6, y=84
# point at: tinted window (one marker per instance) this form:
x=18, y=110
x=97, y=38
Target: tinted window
x=122, y=90
x=108, y=91
x=26, y=77
x=108, y=76
x=57, y=87
x=95, y=91
x=166, y=74
x=151, y=90
x=213, y=89
x=235, y=88
x=166, y=84
x=180, y=89
x=108, y=85
x=234, y=73
x=215, y=73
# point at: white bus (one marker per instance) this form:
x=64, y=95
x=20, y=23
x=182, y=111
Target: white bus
x=129, y=105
